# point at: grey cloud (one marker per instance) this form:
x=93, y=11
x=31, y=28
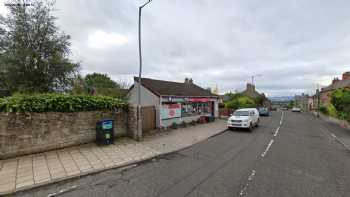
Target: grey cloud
x=293, y=44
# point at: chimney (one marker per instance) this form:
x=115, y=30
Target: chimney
x=250, y=87
x=188, y=80
x=335, y=80
x=346, y=76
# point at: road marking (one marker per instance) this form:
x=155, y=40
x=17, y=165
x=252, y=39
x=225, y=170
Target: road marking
x=250, y=178
x=281, y=121
x=62, y=191
x=276, y=132
x=327, y=131
x=267, y=148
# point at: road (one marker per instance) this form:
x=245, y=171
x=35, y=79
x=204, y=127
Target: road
x=292, y=154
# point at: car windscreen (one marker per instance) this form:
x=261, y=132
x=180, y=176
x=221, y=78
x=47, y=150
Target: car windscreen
x=241, y=113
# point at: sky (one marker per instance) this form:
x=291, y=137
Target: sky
x=290, y=45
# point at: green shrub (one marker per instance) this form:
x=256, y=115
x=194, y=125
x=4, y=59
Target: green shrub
x=341, y=102
x=174, y=125
x=323, y=109
x=240, y=102
x=193, y=122
x=59, y=103
x=332, y=111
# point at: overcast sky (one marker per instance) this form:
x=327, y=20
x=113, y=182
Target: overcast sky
x=293, y=44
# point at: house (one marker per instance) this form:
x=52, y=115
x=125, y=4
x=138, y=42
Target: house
x=325, y=93
x=311, y=102
x=252, y=93
x=302, y=101
x=174, y=102
x=223, y=98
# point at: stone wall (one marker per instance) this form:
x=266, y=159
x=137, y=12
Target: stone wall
x=342, y=123
x=25, y=133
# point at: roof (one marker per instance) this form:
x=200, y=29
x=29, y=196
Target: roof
x=337, y=85
x=123, y=92
x=170, y=88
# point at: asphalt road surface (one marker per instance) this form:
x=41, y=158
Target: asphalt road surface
x=287, y=155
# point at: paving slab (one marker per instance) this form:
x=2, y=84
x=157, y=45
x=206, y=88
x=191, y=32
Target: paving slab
x=30, y=171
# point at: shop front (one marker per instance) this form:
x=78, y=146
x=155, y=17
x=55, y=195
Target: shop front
x=186, y=109
x=175, y=102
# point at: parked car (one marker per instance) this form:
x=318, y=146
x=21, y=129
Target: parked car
x=284, y=108
x=244, y=118
x=296, y=109
x=263, y=111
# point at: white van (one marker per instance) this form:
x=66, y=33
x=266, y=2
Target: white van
x=244, y=118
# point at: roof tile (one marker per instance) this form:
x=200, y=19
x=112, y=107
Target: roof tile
x=169, y=88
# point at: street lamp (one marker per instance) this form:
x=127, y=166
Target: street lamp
x=139, y=113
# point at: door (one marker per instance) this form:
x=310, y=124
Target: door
x=212, y=108
x=148, y=118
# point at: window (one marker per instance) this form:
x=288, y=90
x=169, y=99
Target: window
x=192, y=109
x=241, y=113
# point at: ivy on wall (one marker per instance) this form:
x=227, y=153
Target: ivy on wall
x=59, y=103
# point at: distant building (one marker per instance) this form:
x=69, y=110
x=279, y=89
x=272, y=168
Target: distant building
x=223, y=98
x=325, y=93
x=312, y=102
x=251, y=92
x=302, y=101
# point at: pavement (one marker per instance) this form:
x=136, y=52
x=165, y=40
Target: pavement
x=25, y=172
x=341, y=134
x=290, y=155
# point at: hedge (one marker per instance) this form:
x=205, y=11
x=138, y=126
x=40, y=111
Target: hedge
x=240, y=102
x=341, y=101
x=59, y=103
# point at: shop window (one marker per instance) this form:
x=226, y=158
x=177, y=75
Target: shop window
x=192, y=109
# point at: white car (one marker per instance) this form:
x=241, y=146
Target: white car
x=296, y=109
x=244, y=118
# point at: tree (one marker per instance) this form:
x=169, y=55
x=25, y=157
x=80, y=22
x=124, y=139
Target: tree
x=101, y=84
x=291, y=104
x=33, y=52
x=78, y=86
x=238, y=100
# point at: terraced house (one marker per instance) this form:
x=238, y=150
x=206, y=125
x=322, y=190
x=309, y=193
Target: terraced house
x=325, y=93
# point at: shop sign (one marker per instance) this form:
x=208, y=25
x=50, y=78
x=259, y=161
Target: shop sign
x=173, y=99
x=170, y=111
x=202, y=100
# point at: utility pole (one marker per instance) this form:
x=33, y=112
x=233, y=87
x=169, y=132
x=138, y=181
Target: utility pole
x=318, y=102
x=139, y=107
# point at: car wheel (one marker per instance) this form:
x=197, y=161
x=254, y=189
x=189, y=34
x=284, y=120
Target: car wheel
x=257, y=123
x=251, y=127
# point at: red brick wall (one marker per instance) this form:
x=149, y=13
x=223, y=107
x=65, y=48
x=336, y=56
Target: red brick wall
x=346, y=76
